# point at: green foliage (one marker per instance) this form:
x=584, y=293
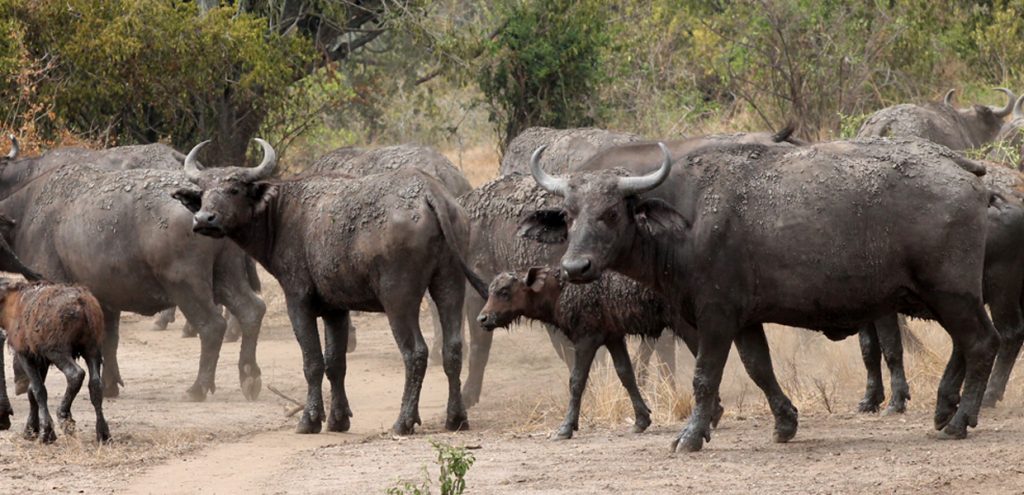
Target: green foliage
x=544, y=67
x=139, y=70
x=454, y=464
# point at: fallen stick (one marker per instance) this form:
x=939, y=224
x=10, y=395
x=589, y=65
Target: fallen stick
x=285, y=397
x=294, y=411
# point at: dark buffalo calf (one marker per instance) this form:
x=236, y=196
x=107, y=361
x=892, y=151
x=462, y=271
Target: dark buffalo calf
x=53, y=324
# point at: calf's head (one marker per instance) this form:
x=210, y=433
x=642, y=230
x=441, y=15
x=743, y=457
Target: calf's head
x=509, y=297
x=601, y=216
x=229, y=197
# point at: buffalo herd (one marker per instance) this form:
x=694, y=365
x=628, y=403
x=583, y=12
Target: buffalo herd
x=598, y=235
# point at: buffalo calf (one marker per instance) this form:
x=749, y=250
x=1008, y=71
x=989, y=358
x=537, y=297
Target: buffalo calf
x=53, y=324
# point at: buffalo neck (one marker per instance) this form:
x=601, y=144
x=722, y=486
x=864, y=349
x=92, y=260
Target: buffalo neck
x=259, y=238
x=657, y=262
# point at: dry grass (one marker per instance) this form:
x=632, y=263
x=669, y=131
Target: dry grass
x=478, y=163
x=820, y=376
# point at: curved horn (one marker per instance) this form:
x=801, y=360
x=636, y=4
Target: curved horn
x=948, y=99
x=644, y=183
x=15, y=148
x=1010, y=100
x=1018, y=108
x=266, y=167
x=554, y=185
x=192, y=167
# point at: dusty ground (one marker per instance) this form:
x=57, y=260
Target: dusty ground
x=228, y=445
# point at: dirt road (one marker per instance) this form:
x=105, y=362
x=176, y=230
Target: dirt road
x=228, y=445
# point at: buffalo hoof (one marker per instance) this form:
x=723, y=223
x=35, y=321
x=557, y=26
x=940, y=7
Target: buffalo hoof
x=786, y=424
x=868, y=407
x=102, y=433
x=691, y=440
x=339, y=422
x=943, y=414
x=642, y=423
x=48, y=436
x=898, y=408
x=251, y=382
x=307, y=425
x=564, y=433
x=719, y=411
x=195, y=393
x=470, y=396
x=957, y=427
x=458, y=422
x=111, y=391
x=67, y=425
x=405, y=426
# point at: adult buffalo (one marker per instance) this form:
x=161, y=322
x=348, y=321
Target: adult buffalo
x=156, y=156
x=1003, y=284
x=565, y=147
x=121, y=235
x=941, y=123
x=496, y=208
x=828, y=237
x=360, y=162
x=335, y=244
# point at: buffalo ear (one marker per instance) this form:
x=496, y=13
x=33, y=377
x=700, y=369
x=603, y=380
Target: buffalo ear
x=536, y=277
x=657, y=217
x=546, y=226
x=262, y=193
x=192, y=199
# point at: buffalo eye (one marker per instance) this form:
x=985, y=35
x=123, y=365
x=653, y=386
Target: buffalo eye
x=233, y=191
x=504, y=294
x=610, y=216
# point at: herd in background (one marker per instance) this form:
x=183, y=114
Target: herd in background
x=599, y=235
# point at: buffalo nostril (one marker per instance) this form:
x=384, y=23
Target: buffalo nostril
x=481, y=318
x=576, y=266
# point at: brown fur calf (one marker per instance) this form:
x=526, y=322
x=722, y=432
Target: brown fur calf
x=54, y=324
x=599, y=314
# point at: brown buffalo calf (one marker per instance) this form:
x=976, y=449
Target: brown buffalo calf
x=53, y=324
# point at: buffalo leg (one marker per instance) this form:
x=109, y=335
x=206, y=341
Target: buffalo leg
x=975, y=343
x=889, y=339
x=336, y=328
x=5, y=403
x=871, y=352
x=111, y=371
x=753, y=349
x=479, y=349
x=247, y=310
x=402, y=310
x=304, y=326
x=32, y=420
x=717, y=330
x=1006, y=315
x=93, y=361
x=624, y=369
x=586, y=348
x=75, y=377
x=447, y=290
x=164, y=318
x=207, y=319
x=690, y=337
x=36, y=371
